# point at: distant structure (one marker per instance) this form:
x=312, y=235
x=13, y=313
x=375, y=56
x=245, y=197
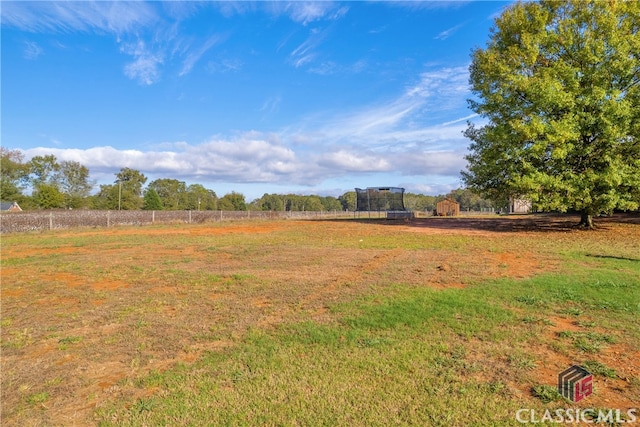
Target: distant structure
x=10, y=207
x=380, y=199
x=447, y=207
x=519, y=206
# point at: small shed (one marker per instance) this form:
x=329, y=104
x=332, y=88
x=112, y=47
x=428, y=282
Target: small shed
x=519, y=206
x=448, y=207
x=10, y=207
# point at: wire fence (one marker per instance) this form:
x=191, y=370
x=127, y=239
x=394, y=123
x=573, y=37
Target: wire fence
x=17, y=222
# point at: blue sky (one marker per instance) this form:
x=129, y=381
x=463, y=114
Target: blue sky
x=252, y=97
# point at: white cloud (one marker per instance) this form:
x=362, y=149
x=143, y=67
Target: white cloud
x=276, y=159
x=145, y=66
x=354, y=161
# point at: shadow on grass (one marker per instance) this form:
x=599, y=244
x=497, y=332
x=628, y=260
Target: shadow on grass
x=622, y=258
x=507, y=223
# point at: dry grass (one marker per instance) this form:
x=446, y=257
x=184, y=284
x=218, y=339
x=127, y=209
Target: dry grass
x=88, y=315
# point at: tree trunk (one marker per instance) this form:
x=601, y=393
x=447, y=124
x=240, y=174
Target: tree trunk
x=586, y=220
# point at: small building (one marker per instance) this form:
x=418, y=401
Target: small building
x=10, y=207
x=519, y=206
x=447, y=207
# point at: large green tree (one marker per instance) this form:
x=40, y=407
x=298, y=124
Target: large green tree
x=73, y=181
x=559, y=87
x=129, y=184
x=232, y=202
x=43, y=170
x=199, y=198
x=348, y=201
x=171, y=191
x=270, y=202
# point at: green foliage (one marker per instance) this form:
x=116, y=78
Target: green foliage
x=348, y=201
x=232, y=202
x=559, y=85
x=298, y=203
x=43, y=169
x=73, y=180
x=132, y=180
x=330, y=204
x=469, y=200
x=270, y=202
x=420, y=202
x=198, y=198
x=13, y=173
x=171, y=192
x=151, y=201
x=48, y=196
x=125, y=194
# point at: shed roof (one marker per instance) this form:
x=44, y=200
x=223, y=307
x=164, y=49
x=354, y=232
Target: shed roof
x=5, y=206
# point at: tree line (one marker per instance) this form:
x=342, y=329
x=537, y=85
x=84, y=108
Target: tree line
x=67, y=185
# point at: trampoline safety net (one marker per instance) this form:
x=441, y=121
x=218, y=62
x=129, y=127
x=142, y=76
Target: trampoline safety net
x=380, y=199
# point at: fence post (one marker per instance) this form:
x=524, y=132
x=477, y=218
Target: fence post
x=108, y=218
x=50, y=220
x=153, y=217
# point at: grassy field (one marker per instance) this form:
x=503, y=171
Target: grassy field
x=438, y=322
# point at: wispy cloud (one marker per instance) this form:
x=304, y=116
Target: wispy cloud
x=85, y=16
x=145, y=66
x=224, y=65
x=448, y=32
x=32, y=50
x=306, y=51
x=305, y=12
x=137, y=26
x=194, y=56
x=272, y=104
x=435, y=94
x=328, y=68
x=141, y=29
